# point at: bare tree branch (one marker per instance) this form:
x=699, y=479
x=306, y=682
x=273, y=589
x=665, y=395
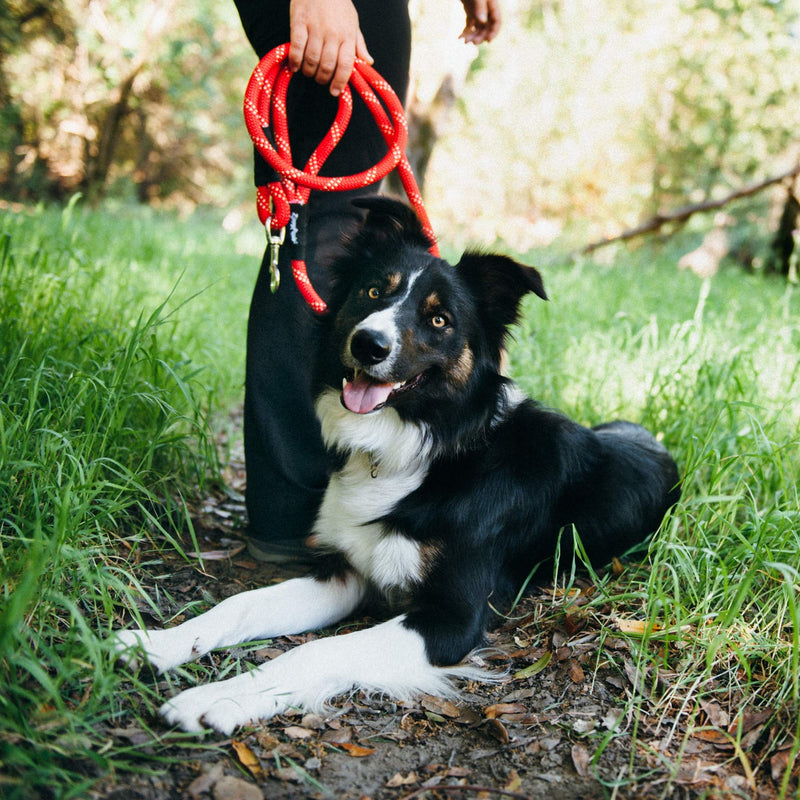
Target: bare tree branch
x=681, y=214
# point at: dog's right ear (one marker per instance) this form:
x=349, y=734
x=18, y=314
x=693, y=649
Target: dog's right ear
x=499, y=283
x=390, y=222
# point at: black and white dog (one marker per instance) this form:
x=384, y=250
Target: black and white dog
x=450, y=487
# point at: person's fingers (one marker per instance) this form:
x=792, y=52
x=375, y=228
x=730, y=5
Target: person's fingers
x=483, y=21
x=494, y=20
x=297, y=46
x=329, y=60
x=344, y=67
x=480, y=12
x=477, y=12
x=325, y=41
x=312, y=55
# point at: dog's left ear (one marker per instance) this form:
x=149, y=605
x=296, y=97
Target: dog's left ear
x=499, y=283
x=390, y=222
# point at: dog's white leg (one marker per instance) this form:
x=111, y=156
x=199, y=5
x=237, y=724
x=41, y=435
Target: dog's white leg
x=295, y=606
x=386, y=659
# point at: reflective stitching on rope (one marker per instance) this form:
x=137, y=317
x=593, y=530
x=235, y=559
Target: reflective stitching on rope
x=265, y=110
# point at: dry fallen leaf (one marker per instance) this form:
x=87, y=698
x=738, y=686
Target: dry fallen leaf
x=356, y=750
x=717, y=738
x=230, y=788
x=205, y=782
x=440, y=706
x=779, y=763
x=583, y=726
x=750, y=720
x=576, y=672
x=637, y=627
x=469, y=717
x=498, y=709
x=398, y=780
x=573, y=623
x=296, y=732
x=514, y=782
x=717, y=715
x=268, y=653
x=247, y=758
x=266, y=740
x=337, y=736
x=581, y=759
x=449, y=772
x=497, y=730
x=636, y=676
x=612, y=718
x=519, y=694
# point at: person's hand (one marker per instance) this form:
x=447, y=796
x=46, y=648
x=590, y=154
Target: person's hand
x=483, y=20
x=325, y=41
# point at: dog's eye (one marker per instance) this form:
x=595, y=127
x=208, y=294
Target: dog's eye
x=439, y=321
x=373, y=292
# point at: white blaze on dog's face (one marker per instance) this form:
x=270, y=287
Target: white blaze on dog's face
x=412, y=331
x=402, y=327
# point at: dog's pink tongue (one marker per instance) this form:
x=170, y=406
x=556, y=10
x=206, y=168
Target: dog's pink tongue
x=362, y=395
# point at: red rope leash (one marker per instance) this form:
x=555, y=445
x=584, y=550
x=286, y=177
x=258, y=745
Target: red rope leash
x=280, y=203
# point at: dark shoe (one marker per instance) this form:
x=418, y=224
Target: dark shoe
x=280, y=551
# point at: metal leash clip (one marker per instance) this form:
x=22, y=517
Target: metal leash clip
x=275, y=241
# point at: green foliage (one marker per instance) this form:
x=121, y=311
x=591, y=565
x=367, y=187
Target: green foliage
x=103, y=422
x=713, y=368
x=727, y=106
x=587, y=115
x=102, y=430
x=131, y=99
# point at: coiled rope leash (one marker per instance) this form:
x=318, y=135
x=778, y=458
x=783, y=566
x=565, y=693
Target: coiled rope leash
x=282, y=203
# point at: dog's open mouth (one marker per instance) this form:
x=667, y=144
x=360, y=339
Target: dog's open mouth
x=362, y=394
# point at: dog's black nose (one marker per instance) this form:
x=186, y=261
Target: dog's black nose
x=370, y=347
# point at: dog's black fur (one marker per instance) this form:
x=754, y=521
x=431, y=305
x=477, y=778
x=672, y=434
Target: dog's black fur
x=506, y=479
x=449, y=490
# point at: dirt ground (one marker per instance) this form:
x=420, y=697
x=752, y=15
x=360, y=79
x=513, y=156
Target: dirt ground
x=557, y=726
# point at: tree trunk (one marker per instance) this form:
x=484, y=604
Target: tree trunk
x=425, y=125
x=785, y=239
x=99, y=165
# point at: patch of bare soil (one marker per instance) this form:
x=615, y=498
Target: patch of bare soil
x=556, y=725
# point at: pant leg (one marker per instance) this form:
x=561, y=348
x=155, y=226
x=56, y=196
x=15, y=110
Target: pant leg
x=285, y=458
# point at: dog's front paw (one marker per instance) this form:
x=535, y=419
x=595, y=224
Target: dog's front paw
x=223, y=706
x=162, y=649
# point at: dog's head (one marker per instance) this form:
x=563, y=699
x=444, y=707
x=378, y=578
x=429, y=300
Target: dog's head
x=410, y=329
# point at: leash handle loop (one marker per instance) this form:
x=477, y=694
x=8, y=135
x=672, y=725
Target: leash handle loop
x=266, y=119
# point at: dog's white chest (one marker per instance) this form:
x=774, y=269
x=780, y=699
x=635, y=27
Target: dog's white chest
x=391, y=462
x=346, y=522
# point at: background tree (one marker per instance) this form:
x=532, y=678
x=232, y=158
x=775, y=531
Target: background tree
x=584, y=117
x=121, y=94
x=726, y=108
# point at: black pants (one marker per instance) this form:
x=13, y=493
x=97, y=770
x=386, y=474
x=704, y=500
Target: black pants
x=285, y=459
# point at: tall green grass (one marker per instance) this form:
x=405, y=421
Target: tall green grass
x=103, y=428
x=121, y=334
x=713, y=368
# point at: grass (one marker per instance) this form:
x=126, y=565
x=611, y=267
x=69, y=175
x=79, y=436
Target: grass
x=714, y=369
x=121, y=342
x=103, y=427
